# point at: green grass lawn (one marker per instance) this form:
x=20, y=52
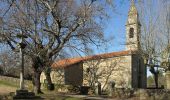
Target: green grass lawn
x=54, y=97
x=7, y=87
x=9, y=84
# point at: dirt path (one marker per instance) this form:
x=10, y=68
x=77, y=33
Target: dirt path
x=6, y=89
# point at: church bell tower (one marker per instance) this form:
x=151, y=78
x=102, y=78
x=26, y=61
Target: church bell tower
x=133, y=27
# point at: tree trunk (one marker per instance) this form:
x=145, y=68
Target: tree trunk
x=48, y=77
x=50, y=85
x=36, y=82
x=37, y=70
x=156, y=80
x=155, y=73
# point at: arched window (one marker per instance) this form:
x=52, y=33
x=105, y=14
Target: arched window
x=131, y=33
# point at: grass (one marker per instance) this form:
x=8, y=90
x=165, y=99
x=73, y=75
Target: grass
x=6, y=86
x=52, y=95
x=9, y=84
x=61, y=98
x=70, y=98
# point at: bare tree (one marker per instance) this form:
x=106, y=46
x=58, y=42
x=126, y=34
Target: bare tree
x=165, y=30
x=10, y=64
x=51, y=26
x=101, y=71
x=152, y=38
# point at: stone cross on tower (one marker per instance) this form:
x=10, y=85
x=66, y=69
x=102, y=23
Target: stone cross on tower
x=132, y=1
x=133, y=28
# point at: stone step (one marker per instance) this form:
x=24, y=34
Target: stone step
x=24, y=95
x=18, y=91
x=27, y=97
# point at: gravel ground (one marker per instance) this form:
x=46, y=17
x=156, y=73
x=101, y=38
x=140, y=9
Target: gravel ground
x=6, y=90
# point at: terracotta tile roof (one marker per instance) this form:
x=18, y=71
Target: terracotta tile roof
x=66, y=62
x=70, y=61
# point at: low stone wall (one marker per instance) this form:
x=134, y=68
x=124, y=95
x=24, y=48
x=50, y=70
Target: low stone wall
x=153, y=94
x=142, y=94
x=15, y=81
x=167, y=76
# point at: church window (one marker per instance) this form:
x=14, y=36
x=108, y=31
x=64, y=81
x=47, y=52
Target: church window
x=88, y=70
x=131, y=33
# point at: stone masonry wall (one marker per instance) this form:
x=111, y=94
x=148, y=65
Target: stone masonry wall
x=15, y=81
x=116, y=69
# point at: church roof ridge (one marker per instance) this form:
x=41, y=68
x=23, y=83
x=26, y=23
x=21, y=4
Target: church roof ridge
x=70, y=61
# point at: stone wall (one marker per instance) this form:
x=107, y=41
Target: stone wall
x=167, y=79
x=15, y=81
x=57, y=76
x=153, y=94
x=9, y=79
x=104, y=71
x=72, y=75
x=141, y=94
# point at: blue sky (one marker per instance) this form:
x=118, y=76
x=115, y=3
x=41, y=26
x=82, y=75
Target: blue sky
x=115, y=26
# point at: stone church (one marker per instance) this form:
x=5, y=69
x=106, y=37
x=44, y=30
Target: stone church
x=125, y=68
